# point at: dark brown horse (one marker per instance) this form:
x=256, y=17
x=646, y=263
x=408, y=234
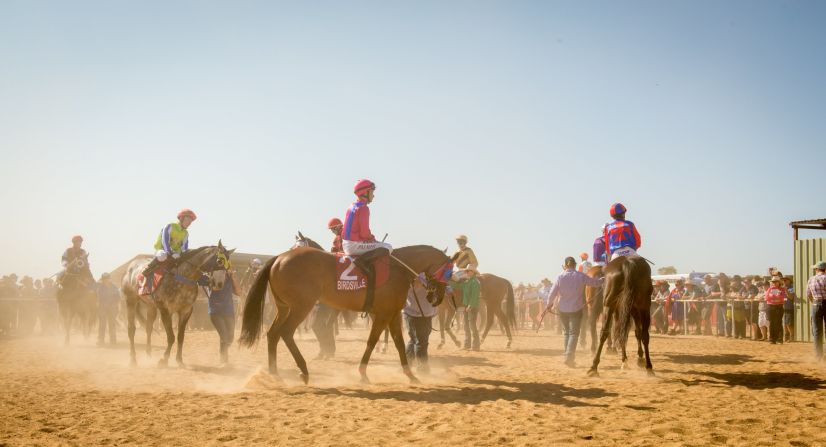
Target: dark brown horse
x=494, y=290
x=594, y=308
x=176, y=293
x=300, y=277
x=628, y=298
x=76, y=297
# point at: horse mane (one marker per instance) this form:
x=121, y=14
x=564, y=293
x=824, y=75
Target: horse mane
x=192, y=253
x=418, y=247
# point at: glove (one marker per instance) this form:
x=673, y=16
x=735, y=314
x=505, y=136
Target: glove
x=176, y=255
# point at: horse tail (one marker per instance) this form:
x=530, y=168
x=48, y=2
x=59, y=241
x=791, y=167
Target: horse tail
x=625, y=303
x=251, y=321
x=510, y=307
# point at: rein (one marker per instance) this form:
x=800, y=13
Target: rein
x=404, y=265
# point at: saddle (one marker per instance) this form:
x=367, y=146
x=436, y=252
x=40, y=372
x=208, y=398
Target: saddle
x=144, y=287
x=351, y=277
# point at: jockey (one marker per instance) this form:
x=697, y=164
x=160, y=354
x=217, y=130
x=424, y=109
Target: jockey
x=463, y=259
x=172, y=241
x=585, y=265
x=621, y=236
x=357, y=238
x=335, y=226
x=599, y=247
x=76, y=257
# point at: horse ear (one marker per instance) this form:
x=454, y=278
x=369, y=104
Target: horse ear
x=229, y=253
x=296, y=237
x=301, y=236
x=220, y=244
x=445, y=250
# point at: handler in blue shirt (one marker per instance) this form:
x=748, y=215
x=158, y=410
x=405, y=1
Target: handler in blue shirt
x=108, y=303
x=222, y=312
x=569, y=291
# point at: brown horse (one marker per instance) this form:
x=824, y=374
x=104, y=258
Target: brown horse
x=300, y=277
x=77, y=298
x=594, y=308
x=627, y=297
x=176, y=293
x=494, y=290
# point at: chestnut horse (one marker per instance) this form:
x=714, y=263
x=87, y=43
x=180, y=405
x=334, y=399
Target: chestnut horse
x=627, y=291
x=300, y=277
x=494, y=289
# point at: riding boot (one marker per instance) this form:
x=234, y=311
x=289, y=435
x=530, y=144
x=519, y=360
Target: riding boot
x=366, y=266
x=149, y=273
x=365, y=262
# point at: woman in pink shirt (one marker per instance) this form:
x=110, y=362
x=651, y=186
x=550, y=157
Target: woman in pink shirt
x=775, y=298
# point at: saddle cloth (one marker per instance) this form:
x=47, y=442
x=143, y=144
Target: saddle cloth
x=350, y=277
x=143, y=288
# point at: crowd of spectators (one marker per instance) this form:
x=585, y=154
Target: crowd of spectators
x=27, y=305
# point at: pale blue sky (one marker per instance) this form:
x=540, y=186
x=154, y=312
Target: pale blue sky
x=517, y=123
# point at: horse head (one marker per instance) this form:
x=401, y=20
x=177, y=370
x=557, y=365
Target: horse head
x=211, y=261
x=303, y=241
x=434, y=263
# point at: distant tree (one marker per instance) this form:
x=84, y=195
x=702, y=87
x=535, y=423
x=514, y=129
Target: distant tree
x=667, y=270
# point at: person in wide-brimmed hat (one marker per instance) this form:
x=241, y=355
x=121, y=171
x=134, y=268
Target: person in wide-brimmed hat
x=463, y=259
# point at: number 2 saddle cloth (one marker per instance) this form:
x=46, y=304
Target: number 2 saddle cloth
x=349, y=277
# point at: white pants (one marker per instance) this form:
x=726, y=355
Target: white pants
x=161, y=255
x=355, y=248
x=460, y=275
x=624, y=251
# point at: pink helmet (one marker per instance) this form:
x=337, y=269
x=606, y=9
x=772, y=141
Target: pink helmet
x=362, y=185
x=186, y=212
x=617, y=209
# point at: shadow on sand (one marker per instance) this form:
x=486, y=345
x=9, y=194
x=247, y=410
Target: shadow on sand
x=711, y=359
x=759, y=380
x=481, y=390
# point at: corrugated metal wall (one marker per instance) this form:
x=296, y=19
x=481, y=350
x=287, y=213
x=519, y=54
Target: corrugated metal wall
x=806, y=253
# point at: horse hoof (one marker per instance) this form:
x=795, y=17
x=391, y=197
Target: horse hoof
x=305, y=378
x=508, y=346
x=181, y=364
x=162, y=363
x=132, y=362
x=641, y=363
x=365, y=380
x=415, y=380
x=593, y=373
x=650, y=372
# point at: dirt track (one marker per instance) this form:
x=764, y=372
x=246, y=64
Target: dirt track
x=707, y=391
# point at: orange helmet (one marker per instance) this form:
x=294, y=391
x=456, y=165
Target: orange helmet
x=186, y=212
x=334, y=222
x=583, y=256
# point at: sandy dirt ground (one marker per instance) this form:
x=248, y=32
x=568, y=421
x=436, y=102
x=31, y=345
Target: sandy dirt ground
x=706, y=391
